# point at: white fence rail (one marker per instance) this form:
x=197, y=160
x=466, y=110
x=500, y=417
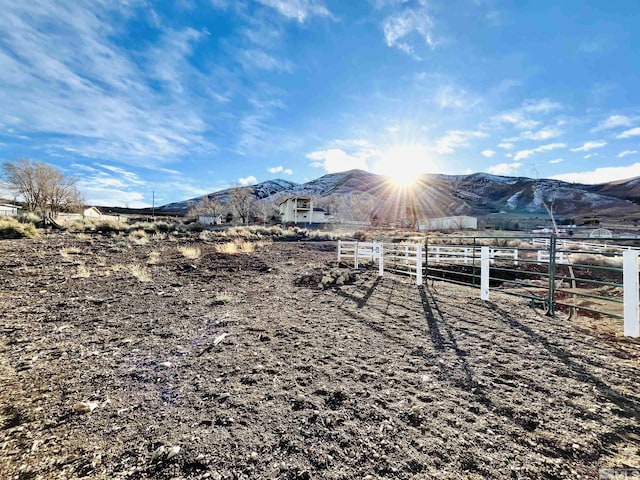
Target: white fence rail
x=408, y=259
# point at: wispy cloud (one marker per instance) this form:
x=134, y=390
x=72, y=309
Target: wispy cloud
x=542, y=134
x=591, y=146
x=632, y=132
x=556, y=160
x=601, y=175
x=488, y=153
x=91, y=93
x=405, y=21
x=626, y=153
x=522, y=154
x=522, y=117
x=504, y=168
x=337, y=160
x=613, y=121
x=454, y=139
x=257, y=59
x=506, y=145
x=299, y=10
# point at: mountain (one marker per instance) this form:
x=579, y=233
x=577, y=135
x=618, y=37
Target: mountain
x=477, y=194
x=259, y=191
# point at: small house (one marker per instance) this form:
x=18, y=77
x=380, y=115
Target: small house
x=300, y=210
x=8, y=210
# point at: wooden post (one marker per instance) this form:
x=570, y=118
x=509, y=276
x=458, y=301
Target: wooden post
x=631, y=293
x=380, y=260
x=484, y=273
x=418, y=264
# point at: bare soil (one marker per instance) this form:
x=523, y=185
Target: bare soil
x=253, y=371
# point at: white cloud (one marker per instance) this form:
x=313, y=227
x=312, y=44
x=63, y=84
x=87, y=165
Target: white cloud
x=258, y=59
x=540, y=106
x=337, y=160
x=612, y=121
x=250, y=180
x=633, y=132
x=542, y=134
x=504, y=168
x=488, y=153
x=626, y=153
x=91, y=92
x=521, y=117
x=400, y=25
x=601, y=175
x=589, y=155
x=279, y=169
x=589, y=146
x=557, y=160
x=298, y=10
x=506, y=145
x=522, y=154
x=449, y=96
x=457, y=138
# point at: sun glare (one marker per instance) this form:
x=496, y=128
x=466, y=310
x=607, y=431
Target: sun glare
x=404, y=164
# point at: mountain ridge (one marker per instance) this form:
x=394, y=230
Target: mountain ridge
x=475, y=194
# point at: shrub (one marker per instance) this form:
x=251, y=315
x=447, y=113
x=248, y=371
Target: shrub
x=28, y=217
x=12, y=228
x=190, y=252
x=360, y=235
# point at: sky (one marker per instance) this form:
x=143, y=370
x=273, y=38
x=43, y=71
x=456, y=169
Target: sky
x=160, y=101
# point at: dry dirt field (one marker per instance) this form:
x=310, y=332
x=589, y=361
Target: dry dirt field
x=125, y=360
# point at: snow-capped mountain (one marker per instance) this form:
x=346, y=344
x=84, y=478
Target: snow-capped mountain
x=476, y=194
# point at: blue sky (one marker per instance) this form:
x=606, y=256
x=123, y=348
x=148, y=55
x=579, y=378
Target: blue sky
x=187, y=97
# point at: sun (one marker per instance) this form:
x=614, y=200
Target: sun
x=404, y=164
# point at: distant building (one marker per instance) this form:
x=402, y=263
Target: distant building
x=300, y=210
x=89, y=213
x=8, y=210
x=210, y=219
x=460, y=222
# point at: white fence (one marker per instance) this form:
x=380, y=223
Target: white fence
x=408, y=259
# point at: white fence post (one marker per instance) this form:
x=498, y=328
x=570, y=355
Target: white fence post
x=380, y=260
x=339, y=250
x=631, y=293
x=418, y=264
x=484, y=273
x=355, y=255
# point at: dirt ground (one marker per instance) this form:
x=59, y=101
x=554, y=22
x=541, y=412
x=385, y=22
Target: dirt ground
x=113, y=354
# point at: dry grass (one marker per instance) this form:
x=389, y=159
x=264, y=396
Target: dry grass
x=222, y=298
x=596, y=260
x=154, y=258
x=190, y=252
x=82, y=271
x=140, y=272
x=241, y=246
x=68, y=251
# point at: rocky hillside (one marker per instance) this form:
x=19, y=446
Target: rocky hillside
x=476, y=194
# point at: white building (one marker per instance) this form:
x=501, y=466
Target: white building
x=210, y=219
x=460, y=222
x=8, y=210
x=89, y=213
x=300, y=210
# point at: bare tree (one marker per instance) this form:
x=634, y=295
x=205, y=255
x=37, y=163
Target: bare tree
x=41, y=186
x=241, y=202
x=210, y=206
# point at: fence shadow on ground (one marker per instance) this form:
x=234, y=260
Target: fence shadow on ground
x=441, y=324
